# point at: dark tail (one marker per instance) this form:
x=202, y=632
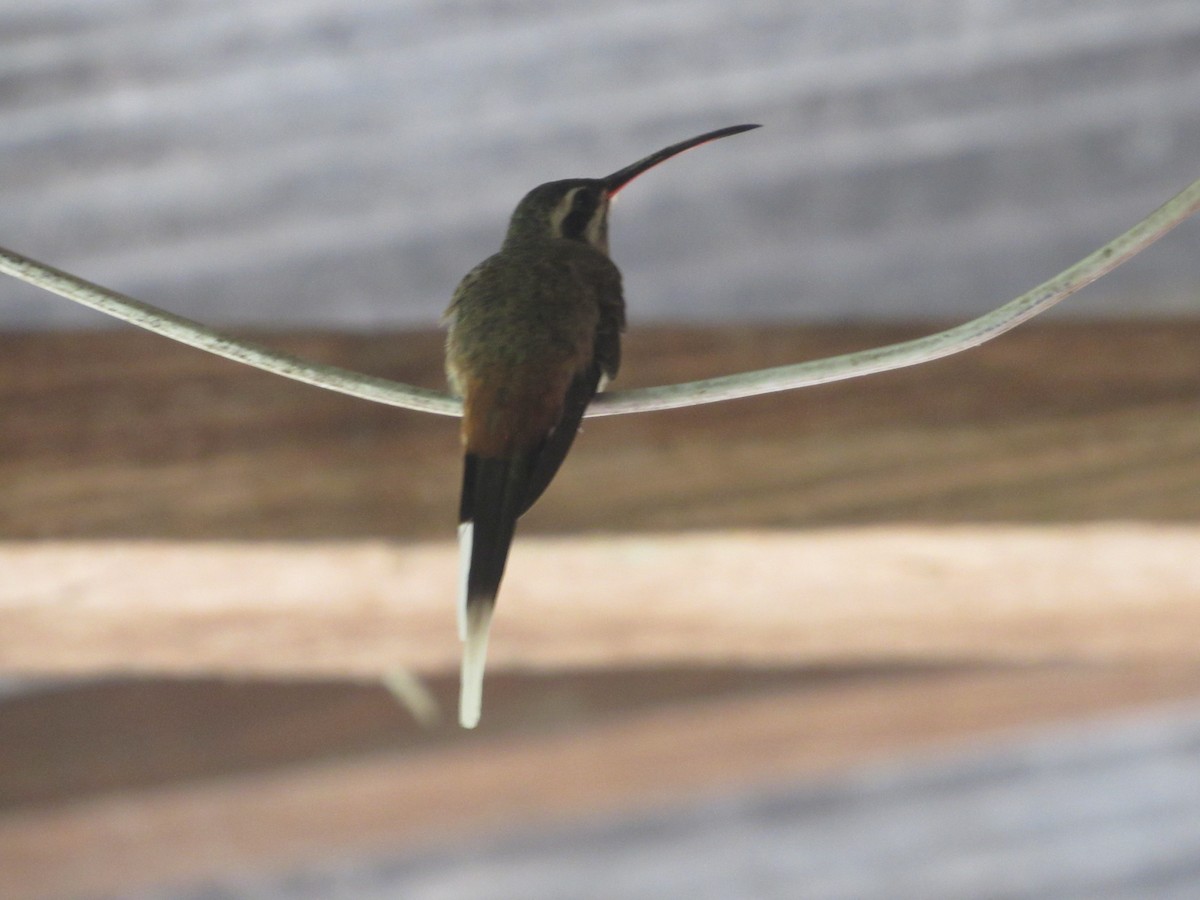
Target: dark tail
x=493, y=497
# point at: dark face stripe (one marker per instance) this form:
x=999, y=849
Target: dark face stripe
x=583, y=207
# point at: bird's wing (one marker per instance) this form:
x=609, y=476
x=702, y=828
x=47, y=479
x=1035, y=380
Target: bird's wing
x=558, y=442
x=605, y=361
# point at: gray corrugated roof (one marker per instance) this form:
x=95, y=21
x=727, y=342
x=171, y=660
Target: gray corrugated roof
x=316, y=162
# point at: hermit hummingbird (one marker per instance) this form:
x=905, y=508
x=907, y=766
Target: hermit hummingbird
x=534, y=333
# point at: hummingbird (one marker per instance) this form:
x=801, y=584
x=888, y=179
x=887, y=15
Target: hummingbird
x=534, y=334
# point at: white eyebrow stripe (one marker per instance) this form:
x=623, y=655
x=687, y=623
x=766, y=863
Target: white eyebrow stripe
x=562, y=210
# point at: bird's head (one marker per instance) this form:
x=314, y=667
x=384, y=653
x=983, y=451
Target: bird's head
x=577, y=208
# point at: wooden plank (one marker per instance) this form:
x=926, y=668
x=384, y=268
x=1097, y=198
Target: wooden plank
x=68, y=742
x=394, y=802
x=126, y=435
x=845, y=596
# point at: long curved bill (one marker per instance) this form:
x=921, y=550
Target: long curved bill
x=622, y=177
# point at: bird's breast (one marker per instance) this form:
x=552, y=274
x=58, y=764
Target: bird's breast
x=520, y=331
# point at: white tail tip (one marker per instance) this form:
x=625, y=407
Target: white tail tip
x=478, y=623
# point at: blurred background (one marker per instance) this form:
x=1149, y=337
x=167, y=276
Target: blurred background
x=330, y=170
x=318, y=163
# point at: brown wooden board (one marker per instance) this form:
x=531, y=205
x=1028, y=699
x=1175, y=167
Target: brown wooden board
x=123, y=434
